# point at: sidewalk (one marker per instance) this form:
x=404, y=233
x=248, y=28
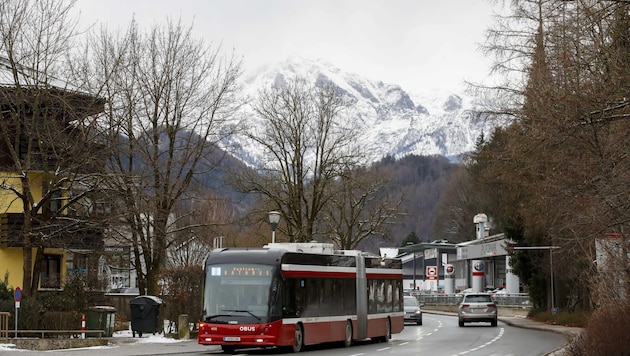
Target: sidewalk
x=122, y=344
x=523, y=322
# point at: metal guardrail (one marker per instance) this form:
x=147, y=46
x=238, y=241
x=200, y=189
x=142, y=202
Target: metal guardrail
x=508, y=300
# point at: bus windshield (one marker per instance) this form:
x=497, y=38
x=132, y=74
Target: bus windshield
x=237, y=293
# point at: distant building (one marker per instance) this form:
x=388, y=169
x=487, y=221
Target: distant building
x=613, y=260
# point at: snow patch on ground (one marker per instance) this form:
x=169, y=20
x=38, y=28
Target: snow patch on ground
x=146, y=339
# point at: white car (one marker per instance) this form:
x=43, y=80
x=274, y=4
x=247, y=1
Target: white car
x=477, y=307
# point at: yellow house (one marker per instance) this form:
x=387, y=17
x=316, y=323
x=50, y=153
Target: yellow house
x=11, y=256
x=39, y=139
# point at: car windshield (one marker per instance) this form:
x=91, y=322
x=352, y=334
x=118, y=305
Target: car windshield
x=478, y=299
x=411, y=302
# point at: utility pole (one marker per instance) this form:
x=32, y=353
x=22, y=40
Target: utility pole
x=550, y=248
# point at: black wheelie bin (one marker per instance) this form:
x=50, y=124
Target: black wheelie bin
x=145, y=315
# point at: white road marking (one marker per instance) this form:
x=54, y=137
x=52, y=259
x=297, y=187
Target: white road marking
x=501, y=331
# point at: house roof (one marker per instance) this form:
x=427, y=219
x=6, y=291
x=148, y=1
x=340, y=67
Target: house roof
x=30, y=79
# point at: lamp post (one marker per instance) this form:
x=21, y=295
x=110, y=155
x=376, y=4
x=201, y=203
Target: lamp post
x=410, y=244
x=550, y=248
x=274, y=219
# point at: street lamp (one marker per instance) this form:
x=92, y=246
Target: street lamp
x=410, y=244
x=550, y=248
x=274, y=219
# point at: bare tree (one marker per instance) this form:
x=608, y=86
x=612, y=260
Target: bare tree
x=560, y=172
x=457, y=206
x=206, y=223
x=308, y=147
x=310, y=137
x=46, y=134
x=172, y=100
x=360, y=208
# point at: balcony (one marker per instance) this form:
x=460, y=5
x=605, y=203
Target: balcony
x=63, y=233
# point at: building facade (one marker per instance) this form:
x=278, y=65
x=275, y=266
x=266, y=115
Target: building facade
x=41, y=143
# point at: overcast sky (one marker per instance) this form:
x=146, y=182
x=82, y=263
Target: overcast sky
x=422, y=45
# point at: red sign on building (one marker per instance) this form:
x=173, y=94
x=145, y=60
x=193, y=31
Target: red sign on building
x=432, y=273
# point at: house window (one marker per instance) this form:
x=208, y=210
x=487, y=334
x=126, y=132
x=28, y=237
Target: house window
x=50, y=275
x=78, y=265
x=55, y=201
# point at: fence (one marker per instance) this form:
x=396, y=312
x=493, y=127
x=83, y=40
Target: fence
x=4, y=325
x=519, y=300
x=68, y=333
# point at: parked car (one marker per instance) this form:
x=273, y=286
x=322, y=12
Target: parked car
x=499, y=291
x=413, y=310
x=477, y=307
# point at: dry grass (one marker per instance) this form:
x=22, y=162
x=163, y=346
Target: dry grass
x=576, y=319
x=606, y=333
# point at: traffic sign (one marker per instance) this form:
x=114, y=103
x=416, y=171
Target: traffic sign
x=17, y=294
x=432, y=273
x=450, y=269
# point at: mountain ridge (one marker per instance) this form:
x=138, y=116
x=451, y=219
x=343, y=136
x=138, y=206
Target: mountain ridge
x=393, y=121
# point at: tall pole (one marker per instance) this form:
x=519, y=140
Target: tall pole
x=414, y=270
x=552, y=285
x=410, y=245
x=553, y=297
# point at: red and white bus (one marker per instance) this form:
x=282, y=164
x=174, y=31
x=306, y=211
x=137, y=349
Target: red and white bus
x=282, y=296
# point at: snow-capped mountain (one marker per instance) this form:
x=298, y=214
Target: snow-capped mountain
x=393, y=121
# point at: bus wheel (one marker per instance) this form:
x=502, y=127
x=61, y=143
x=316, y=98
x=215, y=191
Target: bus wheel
x=227, y=349
x=388, y=331
x=347, y=340
x=298, y=343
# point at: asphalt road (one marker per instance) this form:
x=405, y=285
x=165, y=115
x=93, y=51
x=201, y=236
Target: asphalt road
x=439, y=335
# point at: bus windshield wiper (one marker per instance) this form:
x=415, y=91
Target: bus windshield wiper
x=242, y=311
x=210, y=317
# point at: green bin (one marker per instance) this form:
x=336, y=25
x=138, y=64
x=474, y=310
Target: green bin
x=100, y=317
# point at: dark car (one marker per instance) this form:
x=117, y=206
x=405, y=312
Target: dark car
x=477, y=307
x=413, y=310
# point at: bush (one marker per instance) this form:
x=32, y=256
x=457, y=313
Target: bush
x=181, y=293
x=6, y=293
x=48, y=310
x=72, y=298
x=606, y=332
x=61, y=320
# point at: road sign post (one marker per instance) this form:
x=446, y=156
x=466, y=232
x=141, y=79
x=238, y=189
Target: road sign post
x=17, y=295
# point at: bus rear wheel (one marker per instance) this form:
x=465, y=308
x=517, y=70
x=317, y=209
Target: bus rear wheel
x=298, y=341
x=347, y=340
x=388, y=331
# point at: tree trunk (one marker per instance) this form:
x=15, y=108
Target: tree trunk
x=27, y=255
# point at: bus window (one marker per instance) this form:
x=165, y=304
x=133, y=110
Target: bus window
x=237, y=287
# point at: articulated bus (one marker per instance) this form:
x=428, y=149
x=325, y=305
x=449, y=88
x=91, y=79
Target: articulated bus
x=286, y=295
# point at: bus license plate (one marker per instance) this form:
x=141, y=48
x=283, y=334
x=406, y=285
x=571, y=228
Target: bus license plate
x=231, y=338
